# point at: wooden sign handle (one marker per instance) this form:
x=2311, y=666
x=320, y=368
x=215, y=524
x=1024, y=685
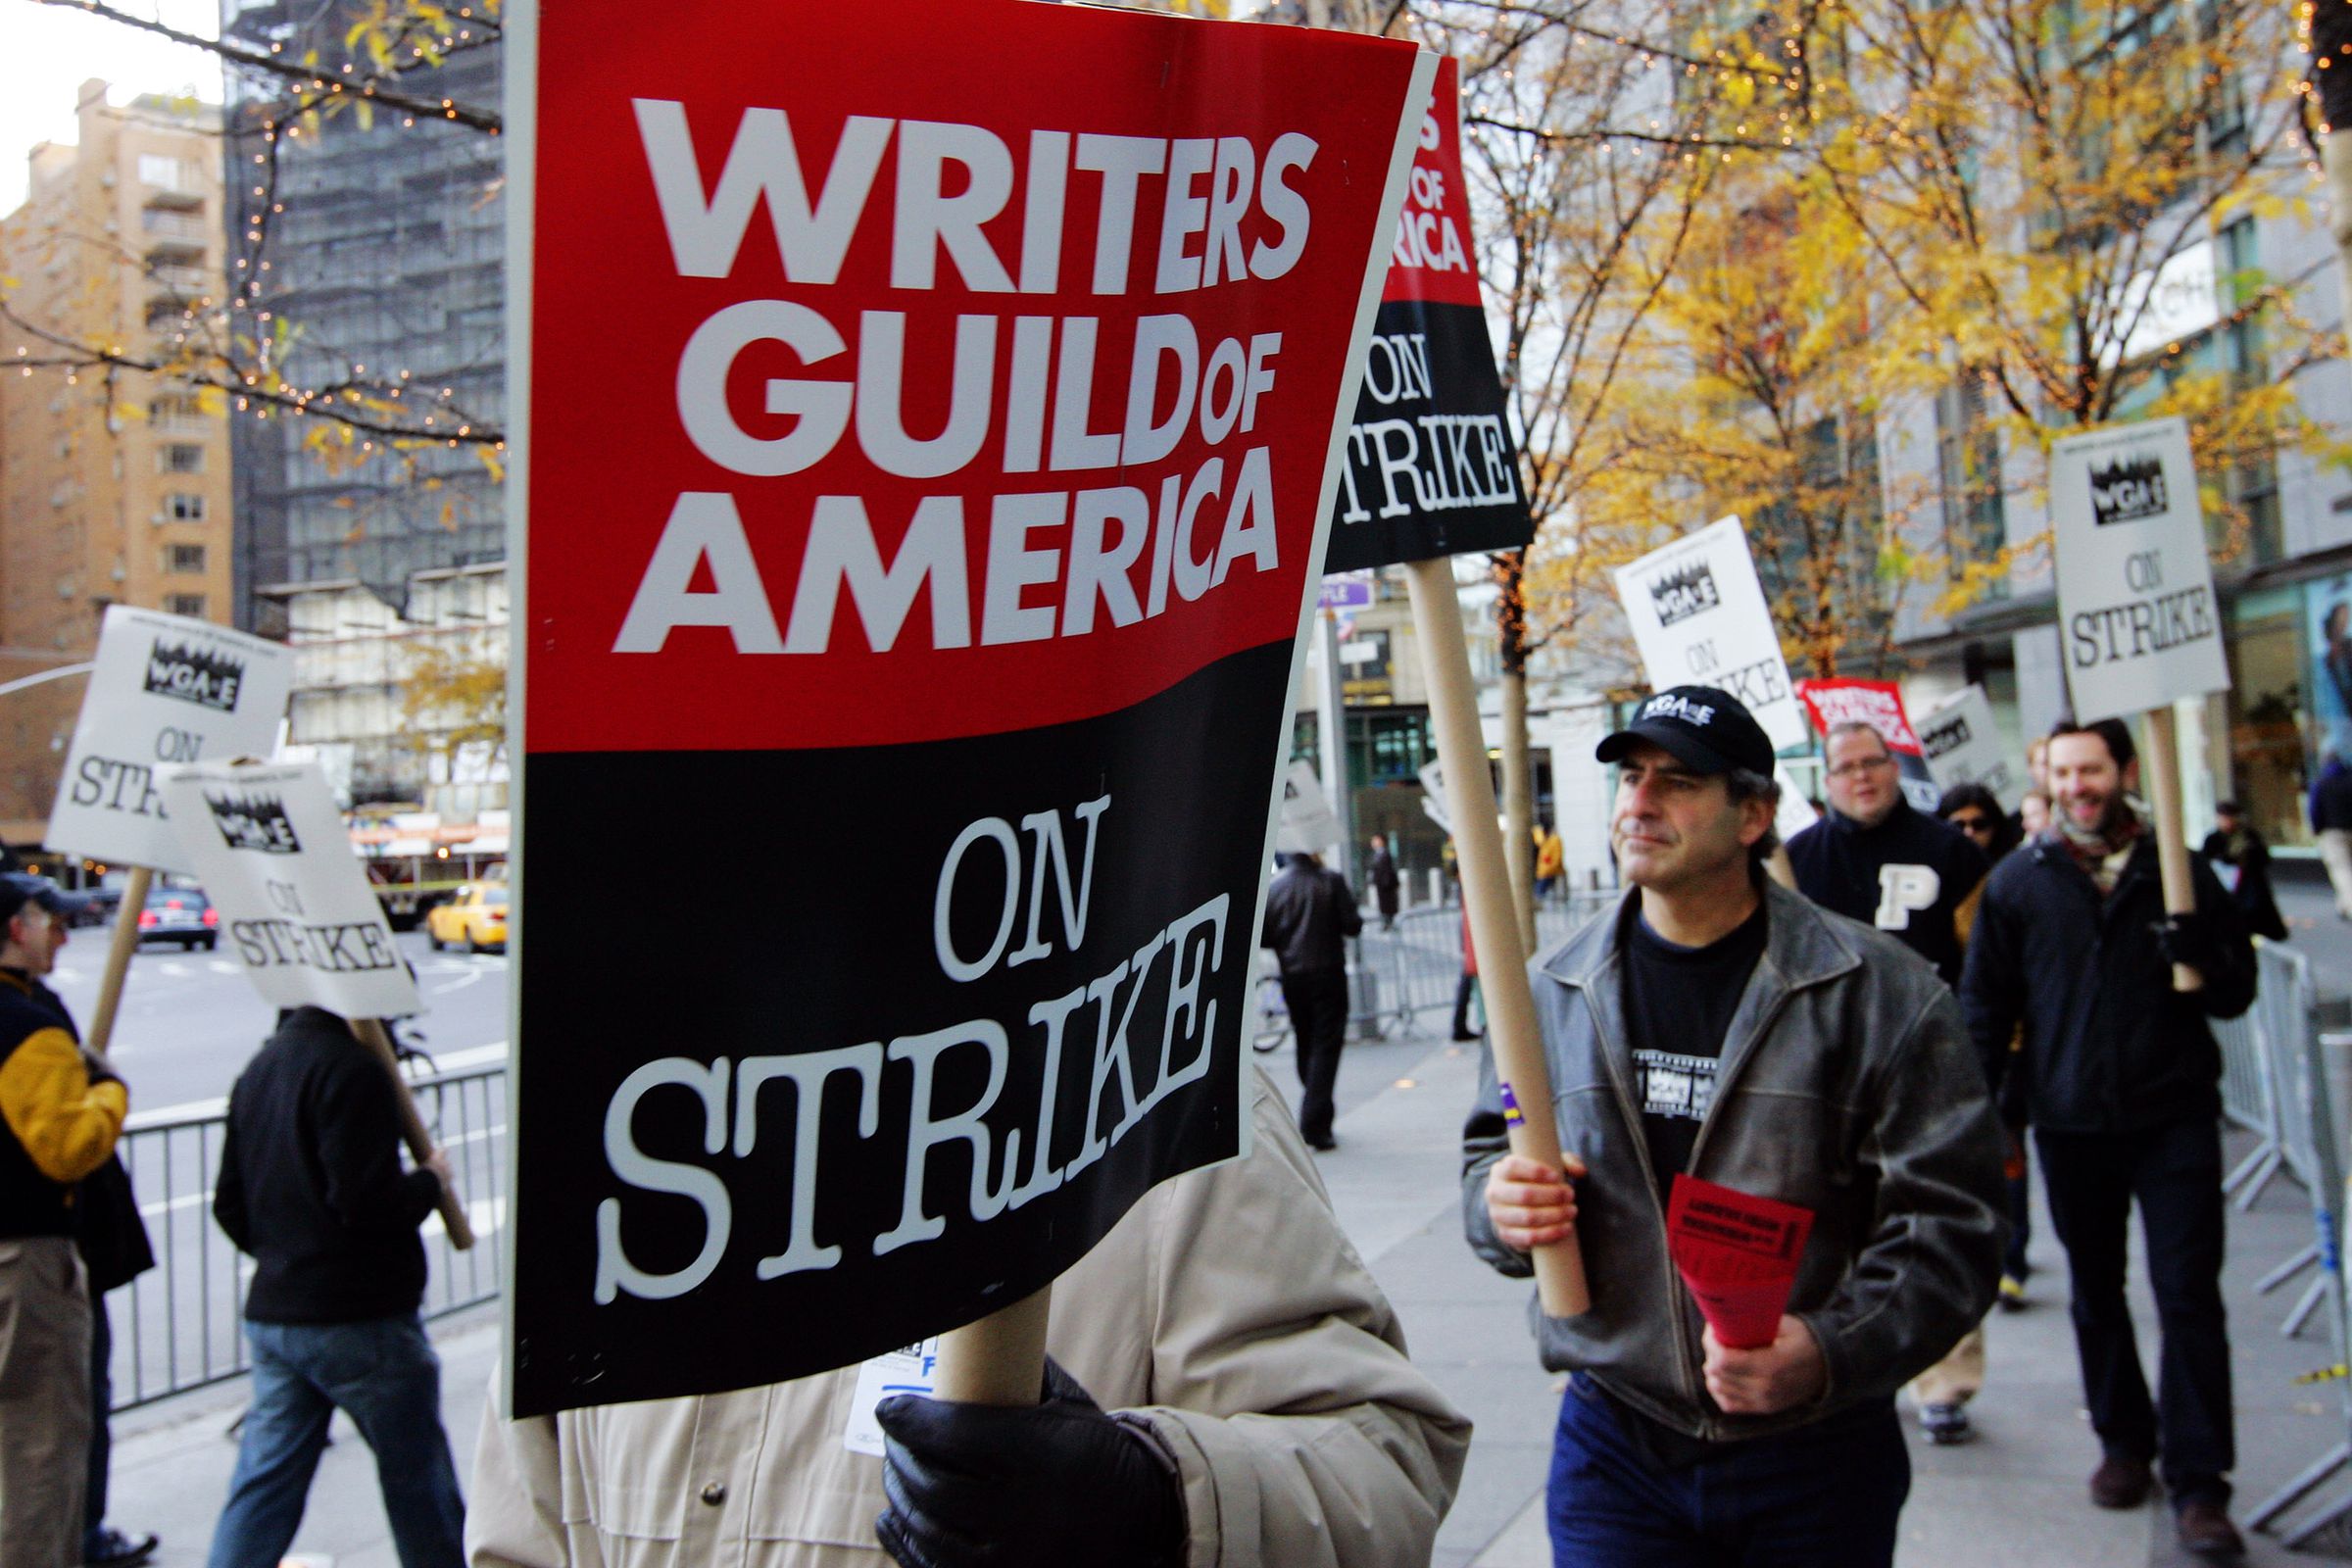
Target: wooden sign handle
x=2160, y=766
x=1479, y=851
x=1000, y=1361
x=376, y=1038
x=118, y=960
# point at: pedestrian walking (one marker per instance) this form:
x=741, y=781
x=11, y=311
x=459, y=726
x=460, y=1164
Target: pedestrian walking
x=1873, y=858
x=1465, y=990
x=61, y=1113
x=2242, y=860
x=1721, y=1026
x=311, y=1186
x=2121, y=1085
x=1310, y=914
x=1975, y=811
x=2331, y=820
x=1380, y=870
x=2032, y=815
x=1262, y=1414
x=1550, y=856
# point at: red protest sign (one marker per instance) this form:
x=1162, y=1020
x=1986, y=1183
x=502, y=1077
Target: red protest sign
x=929, y=407
x=1739, y=1256
x=1876, y=703
x=1432, y=467
x=1880, y=704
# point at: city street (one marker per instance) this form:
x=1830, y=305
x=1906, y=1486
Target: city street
x=189, y=1019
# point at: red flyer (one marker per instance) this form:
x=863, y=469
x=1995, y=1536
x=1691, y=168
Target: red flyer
x=1738, y=1255
x=930, y=412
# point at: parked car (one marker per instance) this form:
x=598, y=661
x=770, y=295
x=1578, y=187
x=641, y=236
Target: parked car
x=99, y=904
x=473, y=917
x=182, y=915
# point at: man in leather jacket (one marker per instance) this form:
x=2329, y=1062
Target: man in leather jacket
x=1724, y=1027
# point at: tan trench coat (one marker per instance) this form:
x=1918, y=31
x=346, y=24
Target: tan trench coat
x=1227, y=1308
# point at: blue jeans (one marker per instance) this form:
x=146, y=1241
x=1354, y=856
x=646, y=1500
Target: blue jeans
x=1824, y=1495
x=383, y=1374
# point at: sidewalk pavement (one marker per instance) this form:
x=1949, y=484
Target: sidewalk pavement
x=2011, y=1498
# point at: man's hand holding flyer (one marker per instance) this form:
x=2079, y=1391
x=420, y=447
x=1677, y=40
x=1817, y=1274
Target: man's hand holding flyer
x=1738, y=1255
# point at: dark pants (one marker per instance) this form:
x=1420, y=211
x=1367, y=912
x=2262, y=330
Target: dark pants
x=2176, y=1174
x=1318, y=1003
x=1826, y=1495
x=102, y=1399
x=1462, y=993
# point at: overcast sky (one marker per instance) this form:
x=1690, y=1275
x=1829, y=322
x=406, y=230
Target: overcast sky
x=52, y=50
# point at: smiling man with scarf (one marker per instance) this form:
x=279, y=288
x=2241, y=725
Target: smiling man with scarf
x=2122, y=1090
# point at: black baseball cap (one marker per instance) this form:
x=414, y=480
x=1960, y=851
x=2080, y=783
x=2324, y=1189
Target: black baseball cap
x=20, y=888
x=1704, y=728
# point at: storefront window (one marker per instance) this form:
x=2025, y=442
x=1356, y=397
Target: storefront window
x=2266, y=708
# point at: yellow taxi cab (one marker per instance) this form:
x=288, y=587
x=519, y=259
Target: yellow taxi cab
x=473, y=917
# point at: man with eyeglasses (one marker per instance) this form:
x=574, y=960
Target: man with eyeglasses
x=1876, y=859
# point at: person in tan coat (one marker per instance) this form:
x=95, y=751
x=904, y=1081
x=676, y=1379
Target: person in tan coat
x=1225, y=1322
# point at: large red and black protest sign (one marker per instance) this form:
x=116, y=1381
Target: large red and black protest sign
x=1432, y=468
x=931, y=408
x=1880, y=704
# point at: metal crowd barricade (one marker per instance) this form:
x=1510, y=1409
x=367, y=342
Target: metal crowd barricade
x=2249, y=1101
x=2285, y=1001
x=179, y=1326
x=1415, y=965
x=2308, y=1138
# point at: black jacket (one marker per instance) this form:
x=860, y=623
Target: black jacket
x=1310, y=912
x=2110, y=1046
x=108, y=1228
x=311, y=1181
x=1842, y=865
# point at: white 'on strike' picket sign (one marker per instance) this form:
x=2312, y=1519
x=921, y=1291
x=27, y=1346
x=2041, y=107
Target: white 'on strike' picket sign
x=1310, y=826
x=2137, y=624
x=1964, y=747
x=1699, y=618
x=166, y=689
x=2137, y=616
x=296, y=910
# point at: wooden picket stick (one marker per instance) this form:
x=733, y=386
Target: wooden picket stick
x=373, y=1034
x=118, y=960
x=2160, y=766
x=1000, y=1361
x=1494, y=916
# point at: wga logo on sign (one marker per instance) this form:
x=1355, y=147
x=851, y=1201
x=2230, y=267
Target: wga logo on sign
x=207, y=678
x=1680, y=595
x=2127, y=490
x=254, y=821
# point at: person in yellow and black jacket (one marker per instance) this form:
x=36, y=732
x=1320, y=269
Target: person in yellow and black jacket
x=62, y=1111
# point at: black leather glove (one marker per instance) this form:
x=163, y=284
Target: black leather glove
x=1058, y=1484
x=2187, y=939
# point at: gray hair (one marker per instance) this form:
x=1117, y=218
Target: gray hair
x=1743, y=785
